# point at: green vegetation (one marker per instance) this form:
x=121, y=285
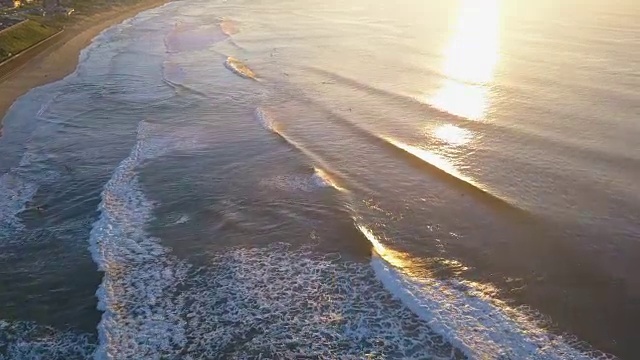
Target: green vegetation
x=22, y=36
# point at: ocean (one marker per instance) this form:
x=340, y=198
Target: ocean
x=352, y=179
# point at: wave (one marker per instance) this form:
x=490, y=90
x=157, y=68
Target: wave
x=293, y=182
x=28, y=340
x=325, y=178
x=542, y=137
x=480, y=327
x=44, y=108
x=174, y=75
x=239, y=68
x=302, y=182
x=246, y=302
x=434, y=163
x=398, y=98
x=322, y=175
x=441, y=167
x=185, y=88
x=127, y=256
x=19, y=186
x=181, y=219
x=267, y=120
x=261, y=301
x=15, y=193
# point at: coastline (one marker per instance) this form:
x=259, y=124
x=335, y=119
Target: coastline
x=60, y=58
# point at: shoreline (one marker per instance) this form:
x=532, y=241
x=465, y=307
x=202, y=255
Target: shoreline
x=59, y=59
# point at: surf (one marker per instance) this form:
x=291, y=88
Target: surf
x=19, y=186
x=256, y=300
x=239, y=68
x=458, y=310
x=434, y=164
x=322, y=174
x=128, y=256
x=442, y=168
x=29, y=340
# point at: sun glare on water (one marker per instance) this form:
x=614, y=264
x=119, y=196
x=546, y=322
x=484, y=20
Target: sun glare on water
x=452, y=135
x=470, y=60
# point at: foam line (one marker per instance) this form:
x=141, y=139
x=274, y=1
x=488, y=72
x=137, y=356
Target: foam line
x=480, y=327
x=270, y=302
x=15, y=193
x=237, y=67
x=133, y=265
x=19, y=186
x=326, y=178
x=301, y=182
x=28, y=340
x=545, y=139
x=322, y=176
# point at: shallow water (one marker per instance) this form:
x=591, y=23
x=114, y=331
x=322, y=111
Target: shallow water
x=246, y=179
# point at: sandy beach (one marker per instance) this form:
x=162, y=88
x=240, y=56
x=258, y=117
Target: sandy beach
x=59, y=57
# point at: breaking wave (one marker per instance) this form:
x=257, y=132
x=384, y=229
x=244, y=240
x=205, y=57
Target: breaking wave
x=480, y=327
x=239, y=68
x=15, y=193
x=320, y=177
x=246, y=303
x=174, y=75
x=28, y=340
x=19, y=186
x=324, y=177
x=435, y=164
x=302, y=182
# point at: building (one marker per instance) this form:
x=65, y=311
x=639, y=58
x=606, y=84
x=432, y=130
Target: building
x=10, y=3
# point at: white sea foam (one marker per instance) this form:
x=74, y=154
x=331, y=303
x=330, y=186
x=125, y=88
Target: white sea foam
x=29, y=341
x=470, y=321
x=278, y=302
x=324, y=179
x=239, y=68
x=272, y=302
x=264, y=119
x=137, y=317
x=184, y=218
x=301, y=182
x=15, y=192
x=320, y=177
x=178, y=219
x=19, y=186
x=43, y=108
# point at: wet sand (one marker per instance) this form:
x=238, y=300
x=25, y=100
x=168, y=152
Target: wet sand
x=57, y=57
